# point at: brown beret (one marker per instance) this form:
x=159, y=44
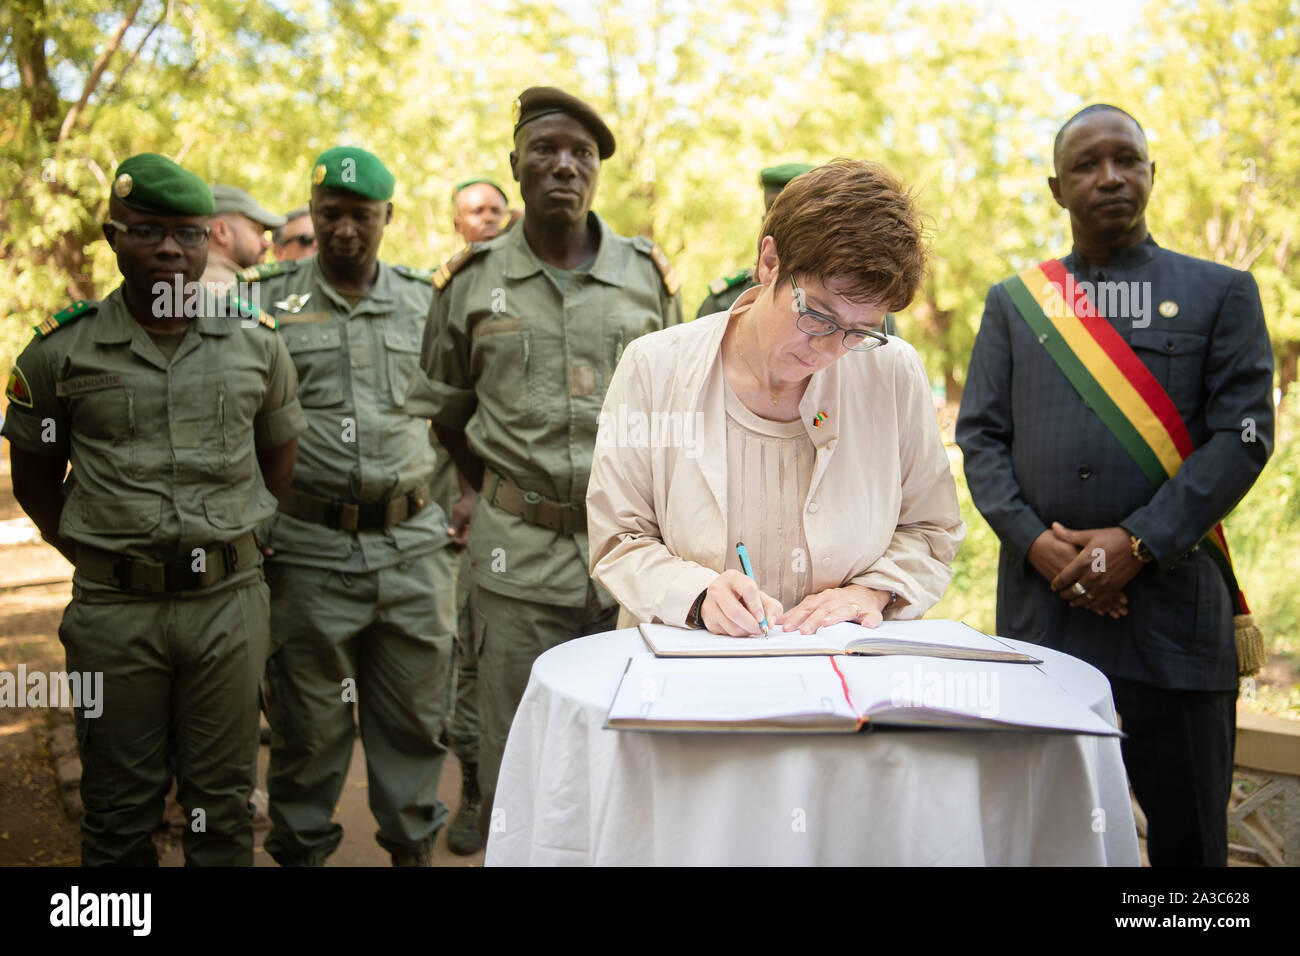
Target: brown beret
x=538, y=101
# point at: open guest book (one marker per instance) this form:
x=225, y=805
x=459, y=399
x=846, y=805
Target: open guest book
x=936, y=638
x=844, y=695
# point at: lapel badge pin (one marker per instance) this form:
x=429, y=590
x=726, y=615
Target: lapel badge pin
x=1168, y=308
x=819, y=418
x=293, y=303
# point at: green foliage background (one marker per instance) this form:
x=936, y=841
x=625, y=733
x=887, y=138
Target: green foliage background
x=959, y=98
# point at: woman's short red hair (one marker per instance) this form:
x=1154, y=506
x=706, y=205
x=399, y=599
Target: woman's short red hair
x=854, y=222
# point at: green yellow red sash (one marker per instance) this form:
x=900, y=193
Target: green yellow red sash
x=1107, y=373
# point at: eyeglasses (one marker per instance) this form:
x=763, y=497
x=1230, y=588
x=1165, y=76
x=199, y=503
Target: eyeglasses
x=150, y=234
x=304, y=241
x=814, y=323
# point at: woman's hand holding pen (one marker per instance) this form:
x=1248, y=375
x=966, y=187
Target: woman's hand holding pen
x=850, y=603
x=733, y=605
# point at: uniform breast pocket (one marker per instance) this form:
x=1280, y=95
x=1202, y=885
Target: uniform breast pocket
x=619, y=332
x=402, y=347
x=228, y=402
x=317, y=355
x=1177, y=359
x=505, y=370
x=107, y=414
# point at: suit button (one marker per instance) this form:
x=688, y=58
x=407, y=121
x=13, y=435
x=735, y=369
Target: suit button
x=812, y=508
x=1170, y=346
x=1085, y=472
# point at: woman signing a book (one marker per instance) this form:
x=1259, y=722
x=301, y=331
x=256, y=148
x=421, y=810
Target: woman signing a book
x=790, y=423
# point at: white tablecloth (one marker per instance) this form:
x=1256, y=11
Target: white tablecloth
x=572, y=792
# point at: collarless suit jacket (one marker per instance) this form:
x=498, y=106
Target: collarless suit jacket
x=1035, y=453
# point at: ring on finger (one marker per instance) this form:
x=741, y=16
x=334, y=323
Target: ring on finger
x=1079, y=589
x=857, y=610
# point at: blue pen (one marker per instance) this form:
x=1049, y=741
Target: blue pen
x=749, y=571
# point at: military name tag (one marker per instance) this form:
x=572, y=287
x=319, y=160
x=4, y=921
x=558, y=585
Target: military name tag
x=87, y=383
x=495, y=327
x=292, y=318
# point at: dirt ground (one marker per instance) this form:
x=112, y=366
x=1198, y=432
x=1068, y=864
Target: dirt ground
x=34, y=828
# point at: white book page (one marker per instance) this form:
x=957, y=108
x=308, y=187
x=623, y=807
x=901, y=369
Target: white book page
x=713, y=689
x=915, y=689
x=934, y=632
x=667, y=640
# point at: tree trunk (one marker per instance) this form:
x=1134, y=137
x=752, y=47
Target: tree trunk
x=29, y=52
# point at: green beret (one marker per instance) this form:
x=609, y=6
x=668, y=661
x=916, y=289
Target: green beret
x=538, y=101
x=353, y=170
x=778, y=177
x=465, y=184
x=152, y=183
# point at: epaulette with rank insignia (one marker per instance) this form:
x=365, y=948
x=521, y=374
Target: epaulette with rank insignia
x=265, y=270
x=243, y=307
x=419, y=275
x=442, y=275
x=66, y=317
x=723, y=283
x=666, y=271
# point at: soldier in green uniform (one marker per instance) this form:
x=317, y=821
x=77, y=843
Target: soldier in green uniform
x=725, y=290
x=176, y=421
x=523, y=336
x=361, y=574
x=479, y=210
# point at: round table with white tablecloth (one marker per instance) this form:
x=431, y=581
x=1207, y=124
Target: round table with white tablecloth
x=572, y=792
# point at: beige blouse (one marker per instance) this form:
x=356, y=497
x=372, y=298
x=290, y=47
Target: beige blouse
x=769, y=471
x=880, y=509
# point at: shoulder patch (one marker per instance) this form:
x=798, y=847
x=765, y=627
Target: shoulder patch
x=442, y=275
x=723, y=283
x=18, y=391
x=419, y=275
x=265, y=270
x=66, y=317
x=666, y=271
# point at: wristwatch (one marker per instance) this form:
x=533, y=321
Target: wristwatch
x=1140, y=550
x=694, y=617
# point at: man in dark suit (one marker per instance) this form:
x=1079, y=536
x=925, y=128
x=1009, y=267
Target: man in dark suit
x=1071, y=507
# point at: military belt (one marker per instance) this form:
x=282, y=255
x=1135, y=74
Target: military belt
x=358, y=514
x=169, y=575
x=533, y=507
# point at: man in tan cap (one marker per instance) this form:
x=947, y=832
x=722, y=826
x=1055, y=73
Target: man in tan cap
x=523, y=336
x=238, y=237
